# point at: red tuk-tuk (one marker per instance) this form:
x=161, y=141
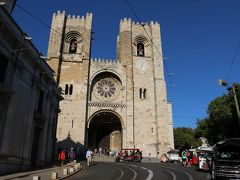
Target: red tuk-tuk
x=129, y=154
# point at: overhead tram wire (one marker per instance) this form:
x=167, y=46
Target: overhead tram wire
x=131, y=8
x=231, y=63
x=46, y=25
x=138, y=19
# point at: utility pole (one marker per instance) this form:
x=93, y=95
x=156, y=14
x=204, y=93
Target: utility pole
x=233, y=88
x=236, y=102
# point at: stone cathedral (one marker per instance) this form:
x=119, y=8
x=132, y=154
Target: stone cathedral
x=111, y=104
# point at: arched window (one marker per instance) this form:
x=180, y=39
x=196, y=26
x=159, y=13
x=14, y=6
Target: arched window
x=73, y=46
x=140, y=49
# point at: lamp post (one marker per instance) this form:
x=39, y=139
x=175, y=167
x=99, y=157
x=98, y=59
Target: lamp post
x=221, y=82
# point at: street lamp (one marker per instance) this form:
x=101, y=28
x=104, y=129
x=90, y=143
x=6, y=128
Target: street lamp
x=232, y=88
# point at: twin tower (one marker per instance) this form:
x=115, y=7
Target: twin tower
x=112, y=104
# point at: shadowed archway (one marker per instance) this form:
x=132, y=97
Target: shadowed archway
x=105, y=131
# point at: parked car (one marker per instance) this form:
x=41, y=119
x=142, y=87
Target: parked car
x=173, y=156
x=226, y=159
x=133, y=155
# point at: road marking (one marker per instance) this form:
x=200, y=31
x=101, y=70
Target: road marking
x=170, y=172
x=189, y=176
x=133, y=165
x=134, y=172
x=150, y=176
x=121, y=175
x=150, y=173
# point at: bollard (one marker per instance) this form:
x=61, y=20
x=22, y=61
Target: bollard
x=65, y=172
x=36, y=177
x=76, y=167
x=71, y=170
x=54, y=175
x=79, y=165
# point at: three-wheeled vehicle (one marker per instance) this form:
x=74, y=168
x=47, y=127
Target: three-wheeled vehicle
x=129, y=154
x=204, y=158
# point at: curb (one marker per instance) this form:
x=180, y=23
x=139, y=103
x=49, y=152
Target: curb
x=19, y=175
x=69, y=175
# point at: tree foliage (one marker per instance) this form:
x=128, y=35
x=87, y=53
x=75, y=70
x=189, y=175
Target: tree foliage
x=185, y=138
x=222, y=121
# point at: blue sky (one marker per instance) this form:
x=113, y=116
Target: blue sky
x=200, y=38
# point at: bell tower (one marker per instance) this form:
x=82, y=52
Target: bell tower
x=149, y=115
x=69, y=56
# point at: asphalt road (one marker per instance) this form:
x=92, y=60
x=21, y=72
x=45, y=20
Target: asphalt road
x=139, y=171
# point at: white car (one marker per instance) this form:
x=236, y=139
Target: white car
x=173, y=157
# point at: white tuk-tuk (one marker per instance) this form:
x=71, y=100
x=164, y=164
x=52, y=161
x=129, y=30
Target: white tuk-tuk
x=204, y=157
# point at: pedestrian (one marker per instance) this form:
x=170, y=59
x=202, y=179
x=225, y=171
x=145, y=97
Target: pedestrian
x=89, y=157
x=149, y=157
x=71, y=155
x=188, y=154
x=184, y=158
x=100, y=151
x=61, y=158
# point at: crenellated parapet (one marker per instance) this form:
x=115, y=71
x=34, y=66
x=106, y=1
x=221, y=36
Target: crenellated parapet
x=80, y=21
x=125, y=24
x=73, y=20
x=145, y=24
x=59, y=13
x=104, y=61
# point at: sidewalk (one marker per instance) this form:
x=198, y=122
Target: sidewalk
x=45, y=173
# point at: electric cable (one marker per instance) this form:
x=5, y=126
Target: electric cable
x=138, y=19
x=232, y=62
x=46, y=25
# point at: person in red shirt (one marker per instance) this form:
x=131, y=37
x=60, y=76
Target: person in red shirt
x=61, y=158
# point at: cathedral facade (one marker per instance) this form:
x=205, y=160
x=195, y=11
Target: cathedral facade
x=111, y=104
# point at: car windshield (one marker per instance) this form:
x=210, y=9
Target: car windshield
x=228, y=152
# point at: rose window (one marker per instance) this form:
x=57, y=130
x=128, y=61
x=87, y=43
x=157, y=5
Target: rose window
x=106, y=88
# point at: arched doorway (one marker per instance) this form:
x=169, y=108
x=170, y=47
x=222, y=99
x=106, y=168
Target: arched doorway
x=105, y=131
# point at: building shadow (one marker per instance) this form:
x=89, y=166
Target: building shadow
x=67, y=144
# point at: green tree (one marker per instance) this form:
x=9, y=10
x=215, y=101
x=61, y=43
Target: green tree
x=185, y=138
x=222, y=121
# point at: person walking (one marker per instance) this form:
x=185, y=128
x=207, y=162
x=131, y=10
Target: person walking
x=71, y=156
x=61, y=158
x=149, y=157
x=100, y=151
x=89, y=157
x=184, y=158
x=188, y=154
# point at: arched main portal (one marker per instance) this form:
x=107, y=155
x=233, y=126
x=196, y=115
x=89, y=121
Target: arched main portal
x=105, y=131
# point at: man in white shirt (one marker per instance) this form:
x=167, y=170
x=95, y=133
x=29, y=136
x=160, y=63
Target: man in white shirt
x=89, y=157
